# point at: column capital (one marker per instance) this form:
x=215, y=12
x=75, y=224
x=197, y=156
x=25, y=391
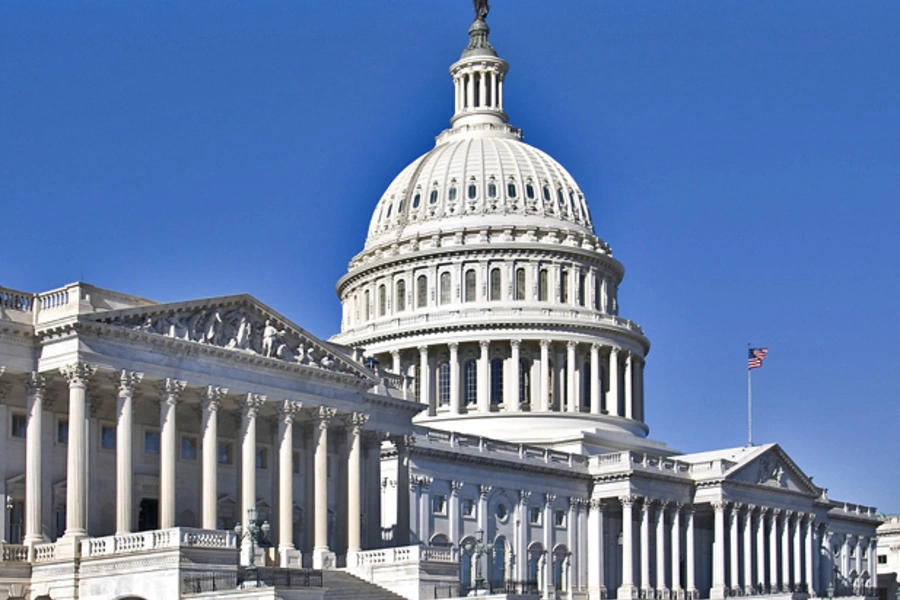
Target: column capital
x=811, y=519
x=322, y=415
x=287, y=410
x=627, y=500
x=128, y=380
x=485, y=344
x=454, y=346
x=718, y=505
x=524, y=496
x=455, y=487
x=35, y=384
x=250, y=404
x=211, y=397
x=357, y=421
x=396, y=353
x=736, y=507
x=595, y=346
x=545, y=343
x=549, y=499
x=169, y=390
x=775, y=512
x=596, y=504
x=763, y=510
x=750, y=509
x=571, y=345
x=422, y=349
x=484, y=490
x=515, y=343
x=78, y=373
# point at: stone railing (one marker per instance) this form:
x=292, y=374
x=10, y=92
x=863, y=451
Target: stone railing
x=628, y=460
x=16, y=300
x=44, y=552
x=163, y=539
x=857, y=509
x=505, y=449
x=13, y=553
x=404, y=554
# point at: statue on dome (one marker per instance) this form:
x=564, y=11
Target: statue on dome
x=482, y=8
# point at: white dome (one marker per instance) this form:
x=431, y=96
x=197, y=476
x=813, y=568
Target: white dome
x=482, y=174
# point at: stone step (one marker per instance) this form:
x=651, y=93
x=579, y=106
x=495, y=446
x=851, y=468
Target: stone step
x=344, y=586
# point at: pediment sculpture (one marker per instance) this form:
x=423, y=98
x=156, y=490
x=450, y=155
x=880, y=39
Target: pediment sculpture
x=235, y=328
x=771, y=472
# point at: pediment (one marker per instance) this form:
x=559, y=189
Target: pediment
x=772, y=467
x=237, y=323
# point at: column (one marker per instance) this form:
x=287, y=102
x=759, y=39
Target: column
x=455, y=399
x=797, y=566
x=786, y=552
x=661, y=548
x=401, y=533
x=639, y=388
x=453, y=512
x=761, y=551
x=513, y=395
x=77, y=375
x=548, y=575
x=34, y=387
x=482, y=91
x=676, y=551
x=774, y=580
x=627, y=589
x=748, y=549
x=604, y=295
x=426, y=392
x=845, y=556
x=354, y=482
x=596, y=383
x=522, y=536
x=612, y=393
x=645, y=546
x=288, y=555
x=718, y=579
x=629, y=396
x=544, y=399
x=689, y=559
x=169, y=390
x=571, y=379
x=250, y=404
x=572, y=542
x=873, y=566
x=124, y=436
x=322, y=555
x=733, y=544
x=809, y=577
x=595, y=558
x=209, y=428
x=860, y=544
x=484, y=377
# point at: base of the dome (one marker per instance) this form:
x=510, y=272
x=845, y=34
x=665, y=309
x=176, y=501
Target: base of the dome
x=571, y=432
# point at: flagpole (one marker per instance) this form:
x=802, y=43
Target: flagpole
x=749, y=404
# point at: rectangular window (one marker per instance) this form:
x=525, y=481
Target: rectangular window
x=564, y=286
x=542, y=285
x=468, y=507
x=882, y=559
x=262, y=458
x=439, y=504
x=225, y=453
x=151, y=442
x=534, y=515
x=188, y=447
x=296, y=462
x=107, y=437
x=559, y=518
x=62, y=431
x=19, y=425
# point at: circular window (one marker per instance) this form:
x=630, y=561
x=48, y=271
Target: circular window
x=502, y=513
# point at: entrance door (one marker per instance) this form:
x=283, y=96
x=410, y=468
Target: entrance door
x=148, y=517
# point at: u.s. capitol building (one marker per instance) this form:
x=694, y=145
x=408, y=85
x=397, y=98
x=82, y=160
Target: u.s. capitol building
x=477, y=426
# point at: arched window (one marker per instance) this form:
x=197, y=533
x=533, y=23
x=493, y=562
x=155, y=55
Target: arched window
x=586, y=384
x=433, y=198
x=598, y=287
x=416, y=199
x=470, y=285
x=497, y=381
x=546, y=193
x=402, y=204
x=400, y=300
x=543, y=284
x=368, y=305
x=473, y=191
x=535, y=552
x=498, y=575
x=470, y=373
x=444, y=384
x=451, y=195
x=492, y=190
x=510, y=191
x=581, y=290
x=495, y=283
x=520, y=283
x=445, y=288
x=564, y=286
x=421, y=291
x=529, y=190
x=382, y=300
x=390, y=208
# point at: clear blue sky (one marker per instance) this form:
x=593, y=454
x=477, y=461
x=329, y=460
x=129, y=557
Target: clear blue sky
x=742, y=158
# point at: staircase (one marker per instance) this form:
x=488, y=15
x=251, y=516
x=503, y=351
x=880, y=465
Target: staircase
x=343, y=586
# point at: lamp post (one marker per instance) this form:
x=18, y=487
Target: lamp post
x=255, y=534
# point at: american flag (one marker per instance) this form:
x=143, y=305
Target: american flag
x=756, y=357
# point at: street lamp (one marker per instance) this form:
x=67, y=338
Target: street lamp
x=255, y=534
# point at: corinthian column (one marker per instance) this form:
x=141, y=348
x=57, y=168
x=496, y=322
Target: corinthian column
x=77, y=375
x=514, y=393
x=354, y=482
x=455, y=399
x=734, y=575
x=250, y=405
x=629, y=396
x=286, y=550
x=718, y=581
x=322, y=555
x=627, y=590
x=596, y=383
x=748, y=549
x=169, y=391
x=544, y=398
x=612, y=393
x=646, y=588
x=124, y=436
x=35, y=388
x=212, y=398
x=571, y=379
x=809, y=572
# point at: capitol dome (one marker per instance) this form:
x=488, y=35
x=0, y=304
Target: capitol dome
x=484, y=289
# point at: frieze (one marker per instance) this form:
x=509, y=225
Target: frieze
x=234, y=328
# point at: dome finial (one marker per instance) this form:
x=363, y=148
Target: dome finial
x=478, y=32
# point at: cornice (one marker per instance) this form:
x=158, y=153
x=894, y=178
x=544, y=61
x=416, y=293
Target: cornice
x=481, y=460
